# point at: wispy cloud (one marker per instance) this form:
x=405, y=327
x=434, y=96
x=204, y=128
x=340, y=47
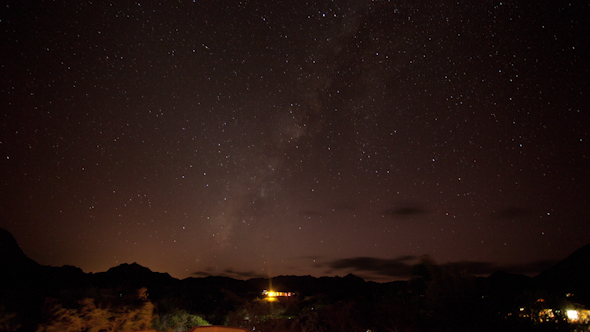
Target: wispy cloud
x=201, y=274
x=243, y=274
x=405, y=210
x=230, y=273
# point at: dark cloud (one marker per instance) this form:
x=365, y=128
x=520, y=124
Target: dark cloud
x=401, y=267
x=243, y=274
x=398, y=267
x=511, y=212
x=406, y=211
x=202, y=274
x=531, y=269
x=230, y=273
x=472, y=268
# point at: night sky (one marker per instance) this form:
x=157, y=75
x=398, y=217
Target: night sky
x=263, y=138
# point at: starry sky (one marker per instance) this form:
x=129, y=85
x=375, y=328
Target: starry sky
x=264, y=138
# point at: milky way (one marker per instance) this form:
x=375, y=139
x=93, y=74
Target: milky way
x=257, y=138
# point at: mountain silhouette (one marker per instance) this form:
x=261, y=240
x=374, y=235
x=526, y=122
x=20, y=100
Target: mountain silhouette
x=132, y=276
x=15, y=266
x=571, y=275
x=27, y=288
x=17, y=271
x=11, y=253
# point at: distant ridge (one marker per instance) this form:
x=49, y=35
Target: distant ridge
x=570, y=275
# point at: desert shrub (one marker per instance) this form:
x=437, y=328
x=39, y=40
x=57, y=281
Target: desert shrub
x=178, y=320
x=88, y=317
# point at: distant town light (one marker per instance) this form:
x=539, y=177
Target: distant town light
x=572, y=315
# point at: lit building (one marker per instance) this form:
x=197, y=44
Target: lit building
x=578, y=315
x=272, y=296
